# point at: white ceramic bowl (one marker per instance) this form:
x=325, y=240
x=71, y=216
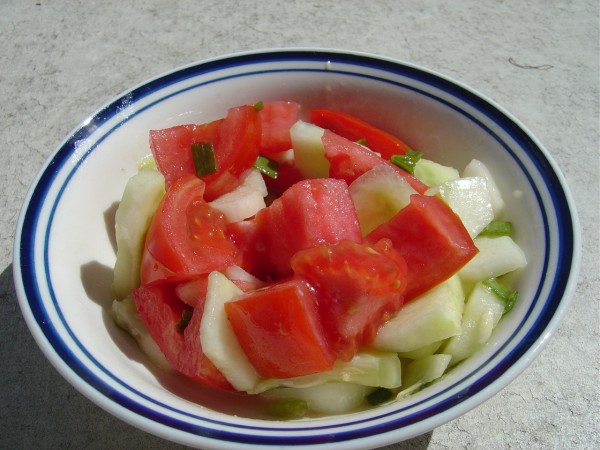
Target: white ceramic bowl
x=65, y=251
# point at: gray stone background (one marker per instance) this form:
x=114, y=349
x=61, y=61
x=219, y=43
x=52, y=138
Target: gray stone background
x=61, y=60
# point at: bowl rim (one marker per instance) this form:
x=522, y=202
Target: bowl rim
x=26, y=222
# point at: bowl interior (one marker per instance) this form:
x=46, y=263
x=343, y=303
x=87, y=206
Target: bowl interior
x=67, y=245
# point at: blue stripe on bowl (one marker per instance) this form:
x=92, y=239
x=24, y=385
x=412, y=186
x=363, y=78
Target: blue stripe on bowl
x=363, y=427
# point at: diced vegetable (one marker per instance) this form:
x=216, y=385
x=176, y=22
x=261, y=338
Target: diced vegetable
x=357, y=287
x=483, y=311
x=245, y=200
x=477, y=169
x=470, y=199
x=433, y=174
x=309, y=154
x=218, y=339
x=140, y=199
x=330, y=398
x=427, y=320
x=425, y=370
x=432, y=240
x=497, y=256
x=349, y=160
x=279, y=330
x=124, y=314
x=355, y=129
x=378, y=195
x=368, y=368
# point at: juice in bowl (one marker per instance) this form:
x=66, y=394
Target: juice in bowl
x=395, y=381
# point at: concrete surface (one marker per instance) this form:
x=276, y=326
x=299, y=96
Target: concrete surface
x=61, y=60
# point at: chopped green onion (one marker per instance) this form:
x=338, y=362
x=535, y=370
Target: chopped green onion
x=203, y=154
x=362, y=141
x=287, y=408
x=259, y=105
x=379, y=396
x=508, y=296
x=184, y=320
x=497, y=228
x=407, y=161
x=266, y=166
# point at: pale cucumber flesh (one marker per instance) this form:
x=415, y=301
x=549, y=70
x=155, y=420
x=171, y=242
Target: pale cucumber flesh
x=430, y=318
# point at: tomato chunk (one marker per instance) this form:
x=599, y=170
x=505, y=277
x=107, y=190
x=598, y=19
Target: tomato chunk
x=276, y=118
x=354, y=129
x=171, y=148
x=349, y=160
x=236, y=148
x=431, y=238
x=358, y=287
x=186, y=235
x=161, y=311
x=309, y=213
x=279, y=330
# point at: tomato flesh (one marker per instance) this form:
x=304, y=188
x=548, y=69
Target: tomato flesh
x=358, y=288
x=186, y=235
x=276, y=119
x=355, y=129
x=236, y=148
x=279, y=330
x=431, y=238
x=349, y=160
x=171, y=148
x=309, y=213
x=160, y=310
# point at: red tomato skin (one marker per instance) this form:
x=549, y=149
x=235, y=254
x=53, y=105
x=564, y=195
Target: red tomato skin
x=186, y=235
x=431, y=238
x=160, y=310
x=354, y=129
x=236, y=146
x=358, y=288
x=349, y=160
x=309, y=213
x=276, y=118
x=279, y=330
x=171, y=148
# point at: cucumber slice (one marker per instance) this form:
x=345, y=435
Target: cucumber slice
x=125, y=316
x=432, y=317
x=309, y=154
x=432, y=173
x=378, y=195
x=143, y=192
x=477, y=169
x=483, y=311
x=335, y=397
x=245, y=200
x=421, y=352
x=425, y=370
x=218, y=339
x=368, y=368
x=470, y=199
x=497, y=256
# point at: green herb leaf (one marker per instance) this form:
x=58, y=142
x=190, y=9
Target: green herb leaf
x=407, y=161
x=259, y=105
x=203, y=154
x=508, y=296
x=287, y=408
x=184, y=320
x=497, y=228
x=379, y=396
x=267, y=166
x=363, y=142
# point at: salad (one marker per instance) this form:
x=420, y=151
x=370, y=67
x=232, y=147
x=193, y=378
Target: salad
x=308, y=258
